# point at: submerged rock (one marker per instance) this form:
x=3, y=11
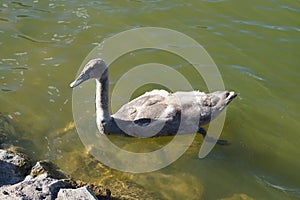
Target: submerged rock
x=7, y=130
x=238, y=197
x=11, y=136
x=120, y=185
x=171, y=186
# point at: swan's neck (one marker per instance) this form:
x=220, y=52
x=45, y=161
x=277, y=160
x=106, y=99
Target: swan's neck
x=102, y=109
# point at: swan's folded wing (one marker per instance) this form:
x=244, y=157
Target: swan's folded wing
x=154, y=105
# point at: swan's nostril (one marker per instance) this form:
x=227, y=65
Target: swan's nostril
x=227, y=94
x=230, y=95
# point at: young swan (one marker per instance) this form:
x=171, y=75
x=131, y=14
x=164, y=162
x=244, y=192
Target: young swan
x=154, y=113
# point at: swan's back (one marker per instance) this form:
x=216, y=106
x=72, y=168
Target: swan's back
x=154, y=105
x=162, y=113
x=160, y=106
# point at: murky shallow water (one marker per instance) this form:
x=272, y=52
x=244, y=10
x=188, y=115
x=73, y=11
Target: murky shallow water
x=255, y=45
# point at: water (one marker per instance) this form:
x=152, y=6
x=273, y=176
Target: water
x=255, y=45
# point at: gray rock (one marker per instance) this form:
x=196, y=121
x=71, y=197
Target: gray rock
x=45, y=181
x=13, y=168
x=49, y=168
x=41, y=187
x=83, y=193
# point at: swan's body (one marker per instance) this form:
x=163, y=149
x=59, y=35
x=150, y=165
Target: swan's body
x=154, y=113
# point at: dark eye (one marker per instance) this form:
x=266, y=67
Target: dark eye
x=227, y=94
x=207, y=102
x=211, y=101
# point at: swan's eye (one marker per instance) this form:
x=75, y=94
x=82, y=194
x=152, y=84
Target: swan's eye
x=207, y=102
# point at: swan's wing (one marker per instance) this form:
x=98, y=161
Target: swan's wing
x=154, y=105
x=160, y=112
x=164, y=113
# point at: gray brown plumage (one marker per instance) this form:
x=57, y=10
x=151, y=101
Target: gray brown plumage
x=154, y=113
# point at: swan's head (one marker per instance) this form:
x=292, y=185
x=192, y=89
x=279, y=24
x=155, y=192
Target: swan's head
x=214, y=103
x=94, y=69
x=218, y=100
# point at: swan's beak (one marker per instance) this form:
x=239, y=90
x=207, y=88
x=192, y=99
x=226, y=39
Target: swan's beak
x=223, y=98
x=79, y=80
x=230, y=96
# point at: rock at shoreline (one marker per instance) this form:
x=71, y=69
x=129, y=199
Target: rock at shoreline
x=13, y=168
x=83, y=193
x=48, y=168
x=45, y=181
x=41, y=187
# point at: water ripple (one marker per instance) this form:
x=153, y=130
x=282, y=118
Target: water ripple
x=82, y=13
x=292, y=191
x=247, y=71
x=31, y=39
x=8, y=88
x=267, y=26
x=4, y=19
x=290, y=8
x=21, y=4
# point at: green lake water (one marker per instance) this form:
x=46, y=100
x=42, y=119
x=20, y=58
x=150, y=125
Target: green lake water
x=255, y=44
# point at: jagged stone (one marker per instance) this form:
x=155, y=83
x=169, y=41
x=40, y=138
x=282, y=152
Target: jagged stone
x=40, y=187
x=13, y=168
x=49, y=168
x=44, y=181
x=83, y=193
